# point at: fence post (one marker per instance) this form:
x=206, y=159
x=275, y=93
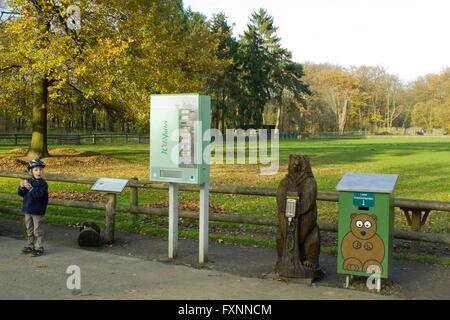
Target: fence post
x=59, y=139
x=78, y=139
x=110, y=217
x=415, y=221
x=126, y=137
x=15, y=139
x=134, y=200
x=139, y=138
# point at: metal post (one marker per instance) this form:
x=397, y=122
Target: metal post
x=110, y=217
x=173, y=219
x=348, y=280
x=204, y=223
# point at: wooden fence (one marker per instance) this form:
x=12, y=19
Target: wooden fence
x=416, y=211
x=77, y=139
x=94, y=138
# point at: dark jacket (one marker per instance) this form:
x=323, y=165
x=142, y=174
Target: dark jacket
x=35, y=200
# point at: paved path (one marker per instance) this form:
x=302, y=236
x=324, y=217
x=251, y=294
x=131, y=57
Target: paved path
x=110, y=276
x=134, y=268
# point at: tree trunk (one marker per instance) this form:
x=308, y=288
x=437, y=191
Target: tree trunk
x=343, y=117
x=393, y=116
x=223, y=121
x=277, y=124
x=6, y=122
x=110, y=124
x=386, y=123
x=279, y=110
x=38, y=146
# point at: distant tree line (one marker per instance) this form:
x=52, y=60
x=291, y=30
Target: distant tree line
x=368, y=98
x=100, y=78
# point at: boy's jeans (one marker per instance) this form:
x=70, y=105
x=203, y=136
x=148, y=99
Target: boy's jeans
x=34, y=225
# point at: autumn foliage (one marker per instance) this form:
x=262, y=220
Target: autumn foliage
x=104, y=73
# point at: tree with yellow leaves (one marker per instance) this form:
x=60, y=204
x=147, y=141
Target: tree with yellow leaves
x=118, y=53
x=343, y=93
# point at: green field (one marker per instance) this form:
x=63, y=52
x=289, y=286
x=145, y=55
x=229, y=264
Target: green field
x=422, y=165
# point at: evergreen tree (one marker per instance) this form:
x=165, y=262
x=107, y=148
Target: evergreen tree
x=265, y=69
x=223, y=86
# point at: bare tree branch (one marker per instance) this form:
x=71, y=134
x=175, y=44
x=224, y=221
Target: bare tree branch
x=10, y=67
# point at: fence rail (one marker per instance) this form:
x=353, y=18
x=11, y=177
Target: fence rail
x=78, y=139
x=228, y=189
x=94, y=138
x=416, y=206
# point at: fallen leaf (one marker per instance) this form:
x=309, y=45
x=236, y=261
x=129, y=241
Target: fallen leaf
x=42, y=266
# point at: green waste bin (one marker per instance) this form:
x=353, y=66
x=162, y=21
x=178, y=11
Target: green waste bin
x=365, y=226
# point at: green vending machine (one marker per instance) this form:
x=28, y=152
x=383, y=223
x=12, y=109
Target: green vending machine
x=178, y=124
x=365, y=226
x=179, y=153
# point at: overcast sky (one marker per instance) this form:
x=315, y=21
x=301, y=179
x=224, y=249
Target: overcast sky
x=409, y=38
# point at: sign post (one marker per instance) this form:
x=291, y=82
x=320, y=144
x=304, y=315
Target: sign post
x=110, y=218
x=179, y=135
x=173, y=219
x=204, y=223
x=111, y=187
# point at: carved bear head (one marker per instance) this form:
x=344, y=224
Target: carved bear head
x=363, y=226
x=299, y=164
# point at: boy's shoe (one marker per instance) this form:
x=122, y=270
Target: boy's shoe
x=37, y=253
x=27, y=250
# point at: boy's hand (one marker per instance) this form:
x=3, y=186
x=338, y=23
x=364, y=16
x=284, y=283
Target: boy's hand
x=22, y=183
x=27, y=185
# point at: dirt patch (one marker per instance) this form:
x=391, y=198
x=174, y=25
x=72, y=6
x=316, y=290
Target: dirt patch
x=13, y=164
x=63, y=152
x=64, y=161
x=17, y=151
x=77, y=195
x=89, y=154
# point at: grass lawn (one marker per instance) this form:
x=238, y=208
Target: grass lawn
x=422, y=165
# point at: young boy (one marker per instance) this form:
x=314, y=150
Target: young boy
x=34, y=191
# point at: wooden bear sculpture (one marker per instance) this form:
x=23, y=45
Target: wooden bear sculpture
x=300, y=180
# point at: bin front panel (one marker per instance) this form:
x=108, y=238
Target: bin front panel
x=364, y=232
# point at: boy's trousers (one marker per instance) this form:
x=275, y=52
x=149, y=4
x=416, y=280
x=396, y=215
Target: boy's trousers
x=35, y=230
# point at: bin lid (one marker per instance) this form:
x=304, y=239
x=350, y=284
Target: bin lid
x=367, y=182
